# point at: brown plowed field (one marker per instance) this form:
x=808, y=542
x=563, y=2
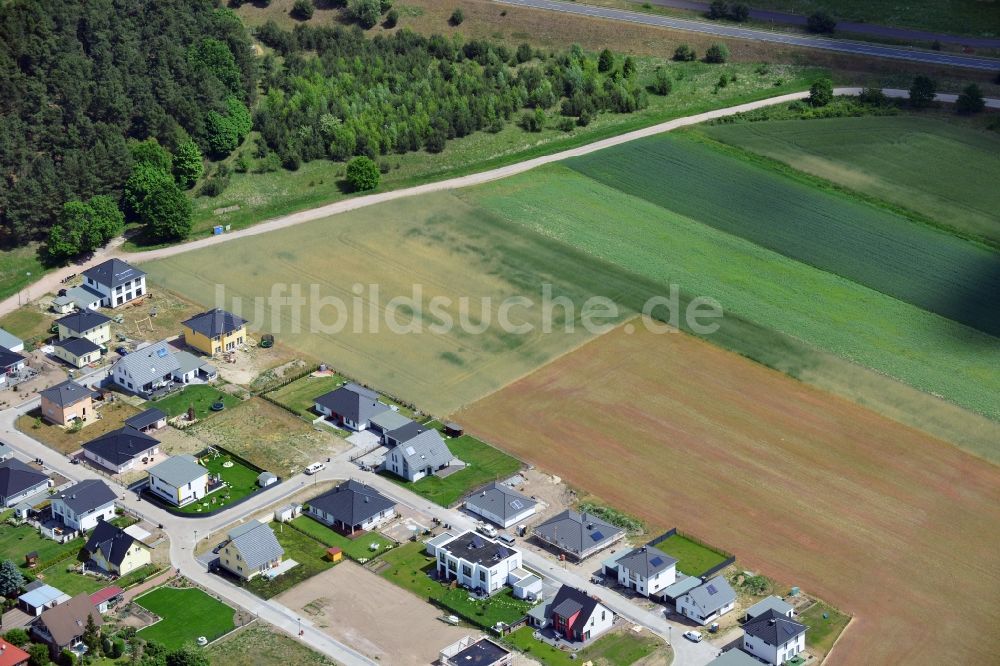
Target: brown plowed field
x=896, y=527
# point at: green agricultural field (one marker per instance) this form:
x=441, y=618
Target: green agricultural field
x=693, y=558
x=464, y=263
x=755, y=286
x=200, y=396
x=358, y=549
x=186, y=614
x=946, y=172
x=833, y=232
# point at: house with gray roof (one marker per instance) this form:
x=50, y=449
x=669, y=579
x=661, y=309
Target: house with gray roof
x=734, y=657
x=77, y=352
x=121, y=450
x=772, y=602
x=774, y=638
x=479, y=563
x=10, y=341
x=19, y=481
x=578, y=535
x=191, y=368
x=250, y=550
x=89, y=324
x=351, y=406
x=482, y=652
x=500, y=504
x=352, y=507
x=179, y=480
x=84, y=504
x=67, y=401
x=679, y=588
x=113, y=550
x=388, y=421
x=148, y=421
x=572, y=615
x=146, y=370
x=417, y=452
x=83, y=298
x=707, y=602
x=116, y=282
x=647, y=570
x=11, y=364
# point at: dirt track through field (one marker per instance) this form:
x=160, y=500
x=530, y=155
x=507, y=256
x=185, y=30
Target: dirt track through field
x=883, y=521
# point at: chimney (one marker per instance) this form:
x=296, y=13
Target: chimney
x=772, y=622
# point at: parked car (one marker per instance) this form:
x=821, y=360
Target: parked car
x=315, y=468
x=488, y=530
x=122, y=351
x=693, y=636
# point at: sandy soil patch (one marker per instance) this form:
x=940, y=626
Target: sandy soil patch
x=372, y=615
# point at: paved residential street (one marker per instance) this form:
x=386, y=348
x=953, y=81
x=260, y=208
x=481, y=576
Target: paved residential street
x=728, y=30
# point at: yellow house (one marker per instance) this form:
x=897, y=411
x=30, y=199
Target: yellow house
x=215, y=331
x=250, y=550
x=85, y=324
x=115, y=551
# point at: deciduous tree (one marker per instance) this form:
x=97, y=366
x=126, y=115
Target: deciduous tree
x=362, y=174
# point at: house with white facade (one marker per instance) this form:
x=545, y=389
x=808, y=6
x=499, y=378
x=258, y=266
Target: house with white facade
x=121, y=450
x=179, y=480
x=774, y=637
x=647, y=570
x=115, y=282
x=11, y=365
x=572, y=614
x=707, y=602
x=479, y=563
x=352, y=507
x=19, y=481
x=84, y=504
x=144, y=371
x=417, y=451
x=85, y=324
x=500, y=504
x=772, y=602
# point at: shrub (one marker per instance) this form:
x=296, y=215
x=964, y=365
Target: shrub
x=970, y=100
x=613, y=516
x=821, y=92
x=717, y=53
x=662, y=85
x=567, y=124
x=391, y=19
x=684, y=53
x=457, y=17
x=922, y=92
x=739, y=12
x=17, y=636
x=723, y=81
x=362, y=174
x=718, y=9
x=303, y=10
x=605, y=61
x=873, y=97
x=365, y=12
x=821, y=22
x=584, y=119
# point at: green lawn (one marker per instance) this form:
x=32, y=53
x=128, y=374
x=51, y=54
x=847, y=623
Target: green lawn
x=484, y=464
x=616, y=649
x=299, y=395
x=357, y=549
x=200, y=395
x=28, y=323
x=241, y=480
x=823, y=631
x=309, y=553
x=886, y=157
x=186, y=614
x=692, y=558
x=831, y=231
x=408, y=567
x=69, y=582
x=777, y=310
x=19, y=268
x=16, y=542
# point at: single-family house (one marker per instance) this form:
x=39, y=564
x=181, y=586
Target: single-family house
x=106, y=598
x=351, y=406
x=148, y=421
x=351, y=507
x=116, y=282
x=11, y=655
x=115, y=551
x=500, y=504
x=10, y=341
x=36, y=600
x=647, y=570
x=11, y=365
x=77, y=352
x=144, y=371
x=707, y=602
x=81, y=297
x=467, y=651
x=250, y=550
x=191, y=367
x=121, y=450
x=84, y=504
x=734, y=657
x=6, y=453
x=179, y=480
x=578, y=535
x=417, y=451
x=62, y=626
x=573, y=614
x=214, y=331
x=772, y=602
x=774, y=637
x=19, y=481
x=86, y=324
x=67, y=402
x=477, y=563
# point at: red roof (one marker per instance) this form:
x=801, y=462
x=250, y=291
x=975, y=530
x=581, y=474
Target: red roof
x=11, y=655
x=99, y=597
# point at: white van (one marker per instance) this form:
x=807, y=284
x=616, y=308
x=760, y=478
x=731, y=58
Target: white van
x=315, y=468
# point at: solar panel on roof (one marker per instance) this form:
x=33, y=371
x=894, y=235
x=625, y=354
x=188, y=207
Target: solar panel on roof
x=597, y=535
x=712, y=589
x=656, y=561
x=516, y=504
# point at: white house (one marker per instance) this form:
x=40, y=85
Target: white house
x=500, y=504
x=774, y=637
x=147, y=369
x=19, y=481
x=83, y=505
x=352, y=507
x=572, y=614
x=116, y=281
x=417, y=451
x=476, y=562
x=647, y=570
x=121, y=450
x=179, y=480
x=707, y=602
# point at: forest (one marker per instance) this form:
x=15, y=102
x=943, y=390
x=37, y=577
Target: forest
x=112, y=108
